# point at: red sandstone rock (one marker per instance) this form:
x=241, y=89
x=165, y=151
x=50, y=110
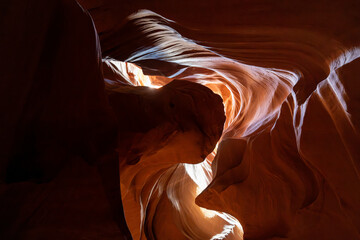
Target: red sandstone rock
x=287, y=165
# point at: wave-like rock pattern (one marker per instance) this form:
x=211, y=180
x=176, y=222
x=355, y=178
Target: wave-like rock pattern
x=288, y=163
x=157, y=192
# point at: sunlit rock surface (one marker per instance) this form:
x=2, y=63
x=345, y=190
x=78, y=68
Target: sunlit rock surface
x=287, y=162
x=158, y=195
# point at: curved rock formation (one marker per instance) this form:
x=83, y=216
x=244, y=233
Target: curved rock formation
x=278, y=168
x=284, y=163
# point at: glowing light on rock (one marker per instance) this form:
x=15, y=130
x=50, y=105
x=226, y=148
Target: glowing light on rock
x=201, y=173
x=263, y=108
x=206, y=212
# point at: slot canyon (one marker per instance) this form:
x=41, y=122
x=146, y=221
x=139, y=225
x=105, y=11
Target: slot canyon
x=176, y=120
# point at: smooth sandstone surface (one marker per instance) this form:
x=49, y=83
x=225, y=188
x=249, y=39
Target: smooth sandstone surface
x=112, y=129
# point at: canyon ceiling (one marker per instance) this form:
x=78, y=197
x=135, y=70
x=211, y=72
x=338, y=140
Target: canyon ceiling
x=180, y=119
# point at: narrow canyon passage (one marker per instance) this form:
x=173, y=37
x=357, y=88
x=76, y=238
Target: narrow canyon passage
x=262, y=172
x=180, y=120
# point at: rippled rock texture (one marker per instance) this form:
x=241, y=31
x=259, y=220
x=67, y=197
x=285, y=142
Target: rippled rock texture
x=124, y=136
